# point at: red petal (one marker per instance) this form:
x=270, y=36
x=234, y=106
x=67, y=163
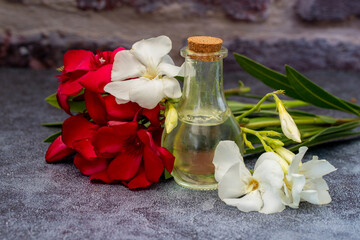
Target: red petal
x=90, y=167
x=153, y=115
x=146, y=138
x=95, y=106
x=77, y=60
x=57, y=151
x=140, y=181
x=156, y=134
x=63, y=102
x=115, y=52
x=108, y=142
x=153, y=165
x=76, y=128
x=102, y=176
x=71, y=88
x=120, y=112
x=86, y=149
x=167, y=158
x=96, y=80
x=124, y=166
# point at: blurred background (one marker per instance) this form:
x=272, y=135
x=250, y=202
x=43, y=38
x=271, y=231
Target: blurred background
x=306, y=34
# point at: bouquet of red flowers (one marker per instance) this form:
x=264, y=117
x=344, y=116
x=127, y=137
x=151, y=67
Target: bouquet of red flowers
x=120, y=98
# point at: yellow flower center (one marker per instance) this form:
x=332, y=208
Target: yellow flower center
x=150, y=73
x=253, y=185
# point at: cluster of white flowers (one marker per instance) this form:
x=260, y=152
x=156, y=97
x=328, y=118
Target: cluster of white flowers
x=269, y=189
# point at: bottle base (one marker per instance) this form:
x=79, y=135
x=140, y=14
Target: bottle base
x=193, y=185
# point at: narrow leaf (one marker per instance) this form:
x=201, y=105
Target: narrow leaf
x=312, y=93
x=52, y=137
x=269, y=77
x=53, y=124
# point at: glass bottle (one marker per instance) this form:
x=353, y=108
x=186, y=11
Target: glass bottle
x=204, y=119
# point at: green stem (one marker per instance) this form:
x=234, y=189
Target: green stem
x=258, y=135
x=287, y=104
x=255, y=108
x=300, y=120
x=236, y=91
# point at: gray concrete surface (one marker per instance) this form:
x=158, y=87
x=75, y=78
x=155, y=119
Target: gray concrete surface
x=54, y=201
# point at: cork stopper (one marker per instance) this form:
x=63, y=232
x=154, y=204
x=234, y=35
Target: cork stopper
x=204, y=45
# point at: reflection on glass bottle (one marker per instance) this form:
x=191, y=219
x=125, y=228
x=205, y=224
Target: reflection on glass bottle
x=204, y=117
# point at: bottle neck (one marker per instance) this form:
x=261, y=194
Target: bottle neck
x=203, y=88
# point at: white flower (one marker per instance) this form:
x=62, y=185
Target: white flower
x=144, y=74
x=237, y=187
x=305, y=183
x=288, y=125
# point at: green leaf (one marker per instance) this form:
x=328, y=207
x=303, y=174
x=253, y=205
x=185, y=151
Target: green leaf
x=52, y=137
x=167, y=174
x=269, y=77
x=52, y=100
x=75, y=106
x=53, y=124
x=312, y=93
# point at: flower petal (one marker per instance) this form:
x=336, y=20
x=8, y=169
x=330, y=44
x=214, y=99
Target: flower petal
x=90, y=167
x=57, y=151
x=316, y=168
x=171, y=87
x=124, y=166
x=167, y=67
x=120, y=112
x=96, y=80
x=272, y=156
x=113, y=54
x=269, y=172
x=318, y=184
x=76, y=128
x=121, y=89
x=126, y=66
x=151, y=51
x=233, y=184
x=250, y=202
x=139, y=181
x=316, y=197
x=272, y=201
x=294, y=166
x=95, y=106
x=226, y=154
x=153, y=164
x=153, y=115
x=102, y=176
x=148, y=93
x=77, y=60
x=298, y=182
x=167, y=159
x=86, y=149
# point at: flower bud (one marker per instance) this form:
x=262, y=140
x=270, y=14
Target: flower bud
x=171, y=118
x=285, y=154
x=288, y=125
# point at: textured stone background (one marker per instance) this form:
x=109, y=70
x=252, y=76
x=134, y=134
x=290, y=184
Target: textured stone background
x=307, y=34
x=54, y=201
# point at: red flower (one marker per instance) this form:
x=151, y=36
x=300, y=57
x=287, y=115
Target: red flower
x=137, y=160
x=84, y=69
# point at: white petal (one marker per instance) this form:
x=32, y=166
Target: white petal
x=233, y=184
x=148, y=94
x=318, y=184
x=121, y=89
x=272, y=201
x=168, y=69
x=226, y=154
x=272, y=156
x=316, y=168
x=250, y=202
x=294, y=166
x=316, y=197
x=126, y=66
x=171, y=87
x=151, y=51
x=269, y=172
x=298, y=182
